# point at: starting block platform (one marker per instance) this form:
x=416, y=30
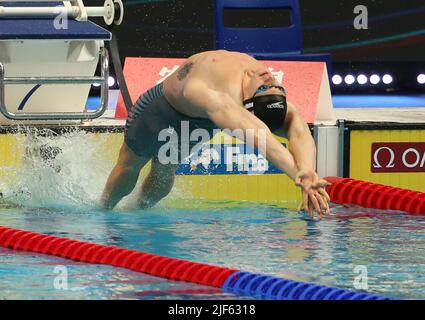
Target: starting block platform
x=44, y=29
x=47, y=66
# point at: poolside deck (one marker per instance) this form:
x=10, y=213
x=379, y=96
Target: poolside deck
x=400, y=115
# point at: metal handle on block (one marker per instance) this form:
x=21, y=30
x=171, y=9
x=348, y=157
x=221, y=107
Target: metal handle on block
x=102, y=80
x=112, y=11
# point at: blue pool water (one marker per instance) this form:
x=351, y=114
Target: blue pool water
x=390, y=246
x=387, y=100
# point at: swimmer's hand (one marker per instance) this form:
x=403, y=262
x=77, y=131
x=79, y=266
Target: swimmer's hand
x=314, y=193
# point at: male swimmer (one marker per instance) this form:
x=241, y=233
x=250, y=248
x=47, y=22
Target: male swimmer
x=215, y=89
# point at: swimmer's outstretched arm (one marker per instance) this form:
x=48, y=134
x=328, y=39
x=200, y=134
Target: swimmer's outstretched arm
x=303, y=148
x=227, y=114
x=302, y=145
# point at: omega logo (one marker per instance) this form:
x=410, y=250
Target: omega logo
x=398, y=157
x=376, y=163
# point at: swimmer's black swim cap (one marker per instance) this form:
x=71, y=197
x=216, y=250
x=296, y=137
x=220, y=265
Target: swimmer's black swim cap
x=271, y=109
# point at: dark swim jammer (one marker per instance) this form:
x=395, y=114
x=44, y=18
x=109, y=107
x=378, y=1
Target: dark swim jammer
x=152, y=113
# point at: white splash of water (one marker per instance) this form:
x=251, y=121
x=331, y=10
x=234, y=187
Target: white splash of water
x=69, y=171
x=66, y=169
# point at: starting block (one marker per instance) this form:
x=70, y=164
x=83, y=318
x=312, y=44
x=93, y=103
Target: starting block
x=49, y=53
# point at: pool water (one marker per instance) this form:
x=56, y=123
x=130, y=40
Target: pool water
x=388, y=246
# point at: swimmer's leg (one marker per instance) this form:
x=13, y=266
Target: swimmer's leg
x=157, y=184
x=123, y=177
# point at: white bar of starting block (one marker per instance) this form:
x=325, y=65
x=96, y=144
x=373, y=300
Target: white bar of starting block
x=96, y=11
x=49, y=12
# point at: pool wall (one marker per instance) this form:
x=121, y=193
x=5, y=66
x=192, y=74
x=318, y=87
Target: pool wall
x=386, y=153
x=223, y=181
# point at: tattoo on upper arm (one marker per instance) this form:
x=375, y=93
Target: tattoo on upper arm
x=184, y=71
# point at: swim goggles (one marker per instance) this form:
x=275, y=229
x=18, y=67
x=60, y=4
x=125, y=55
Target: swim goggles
x=266, y=87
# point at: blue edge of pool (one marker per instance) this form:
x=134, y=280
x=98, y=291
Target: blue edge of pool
x=273, y=288
x=339, y=101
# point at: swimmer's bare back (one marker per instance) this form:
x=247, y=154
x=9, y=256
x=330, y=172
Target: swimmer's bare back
x=220, y=70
